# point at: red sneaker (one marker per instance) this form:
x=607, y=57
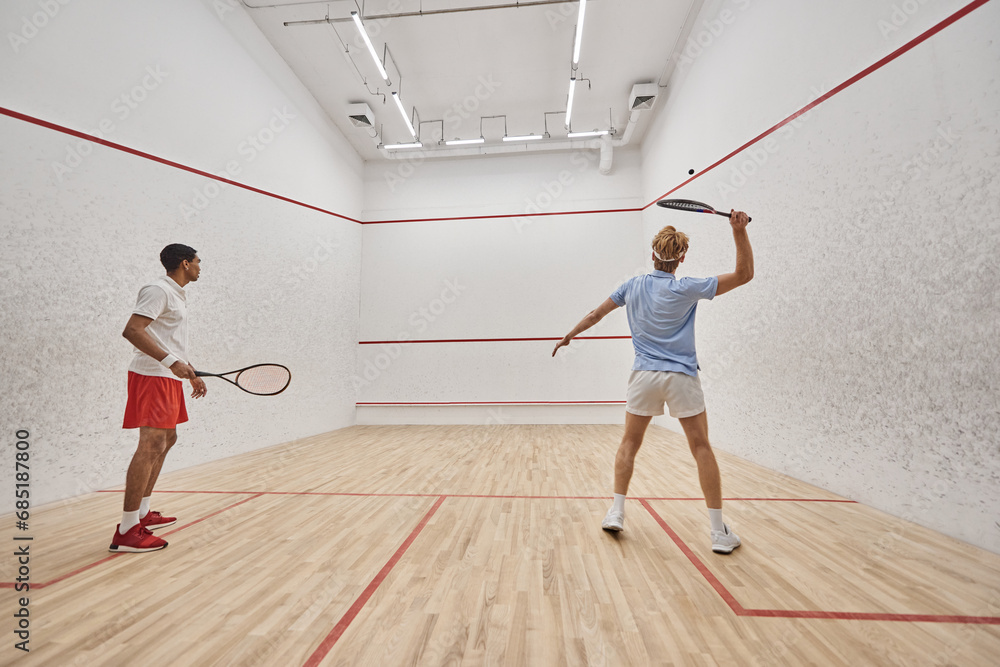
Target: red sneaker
x=136, y=540
x=154, y=520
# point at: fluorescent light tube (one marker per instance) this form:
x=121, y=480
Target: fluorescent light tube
x=579, y=32
x=464, y=142
x=415, y=144
x=402, y=112
x=368, y=43
x=595, y=133
x=569, y=103
x=525, y=137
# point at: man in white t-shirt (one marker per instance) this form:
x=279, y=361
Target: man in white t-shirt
x=158, y=330
x=661, y=311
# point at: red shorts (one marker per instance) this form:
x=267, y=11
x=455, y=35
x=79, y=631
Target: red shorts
x=154, y=401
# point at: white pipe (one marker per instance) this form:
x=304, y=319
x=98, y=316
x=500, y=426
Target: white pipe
x=606, y=155
x=633, y=120
x=604, y=144
x=495, y=149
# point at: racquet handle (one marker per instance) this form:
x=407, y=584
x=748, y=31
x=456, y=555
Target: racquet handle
x=727, y=215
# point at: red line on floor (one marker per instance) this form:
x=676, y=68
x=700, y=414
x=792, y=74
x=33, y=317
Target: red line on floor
x=363, y=494
x=740, y=610
x=228, y=507
x=485, y=340
x=705, y=572
x=823, y=98
x=77, y=571
x=865, y=616
x=345, y=621
x=500, y=403
x=170, y=163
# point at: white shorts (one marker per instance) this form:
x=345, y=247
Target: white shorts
x=649, y=390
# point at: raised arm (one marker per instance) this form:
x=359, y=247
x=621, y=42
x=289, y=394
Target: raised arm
x=589, y=320
x=744, y=255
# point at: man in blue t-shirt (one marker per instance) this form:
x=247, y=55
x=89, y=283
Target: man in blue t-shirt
x=661, y=312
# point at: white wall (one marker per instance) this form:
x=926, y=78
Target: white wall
x=863, y=357
x=83, y=226
x=510, y=277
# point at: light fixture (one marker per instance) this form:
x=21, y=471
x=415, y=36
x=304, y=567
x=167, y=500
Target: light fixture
x=465, y=142
x=402, y=112
x=569, y=104
x=579, y=33
x=368, y=43
x=595, y=133
x=525, y=137
x=415, y=144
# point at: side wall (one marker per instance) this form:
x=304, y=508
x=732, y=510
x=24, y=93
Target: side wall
x=497, y=279
x=83, y=224
x=863, y=356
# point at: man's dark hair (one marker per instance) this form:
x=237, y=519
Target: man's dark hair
x=175, y=253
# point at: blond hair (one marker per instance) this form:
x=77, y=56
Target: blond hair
x=671, y=245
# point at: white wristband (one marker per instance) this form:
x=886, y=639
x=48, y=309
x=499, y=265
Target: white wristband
x=169, y=360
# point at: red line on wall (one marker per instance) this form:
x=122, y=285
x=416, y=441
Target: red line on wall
x=485, y=340
x=503, y=215
x=854, y=79
x=823, y=98
x=338, y=630
x=740, y=610
x=170, y=163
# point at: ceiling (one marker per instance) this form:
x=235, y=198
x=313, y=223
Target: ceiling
x=457, y=68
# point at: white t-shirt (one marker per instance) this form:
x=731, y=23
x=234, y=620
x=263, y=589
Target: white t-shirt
x=164, y=302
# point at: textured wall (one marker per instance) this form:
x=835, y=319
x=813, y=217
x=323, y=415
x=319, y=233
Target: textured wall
x=82, y=226
x=499, y=278
x=863, y=357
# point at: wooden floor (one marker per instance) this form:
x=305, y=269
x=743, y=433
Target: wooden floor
x=481, y=545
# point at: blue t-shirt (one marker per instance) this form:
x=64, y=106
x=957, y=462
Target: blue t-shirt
x=661, y=312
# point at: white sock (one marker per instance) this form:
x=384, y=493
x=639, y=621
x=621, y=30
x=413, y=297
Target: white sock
x=144, y=507
x=619, y=505
x=716, y=517
x=129, y=519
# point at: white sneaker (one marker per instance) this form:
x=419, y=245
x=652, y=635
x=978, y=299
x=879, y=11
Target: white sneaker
x=614, y=521
x=724, y=542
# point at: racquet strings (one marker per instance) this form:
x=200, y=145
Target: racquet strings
x=264, y=379
x=686, y=205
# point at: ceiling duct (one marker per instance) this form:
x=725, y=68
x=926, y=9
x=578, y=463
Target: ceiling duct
x=642, y=96
x=361, y=115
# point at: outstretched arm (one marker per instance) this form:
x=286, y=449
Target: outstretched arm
x=591, y=318
x=744, y=255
